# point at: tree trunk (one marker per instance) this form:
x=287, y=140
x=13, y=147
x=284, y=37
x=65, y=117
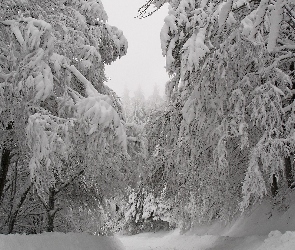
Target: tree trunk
x=289, y=171
x=16, y=209
x=274, y=186
x=5, y=161
x=50, y=210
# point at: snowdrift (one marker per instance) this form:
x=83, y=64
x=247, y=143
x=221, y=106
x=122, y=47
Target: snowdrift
x=174, y=240
x=264, y=228
x=261, y=220
x=59, y=241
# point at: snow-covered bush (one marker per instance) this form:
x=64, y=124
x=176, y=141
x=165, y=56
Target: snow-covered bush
x=145, y=212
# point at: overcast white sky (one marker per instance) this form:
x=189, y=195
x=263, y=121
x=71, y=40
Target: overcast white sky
x=143, y=65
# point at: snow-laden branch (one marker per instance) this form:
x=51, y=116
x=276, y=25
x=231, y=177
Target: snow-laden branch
x=254, y=184
x=277, y=61
x=92, y=8
x=260, y=14
x=98, y=109
x=193, y=51
x=224, y=12
x=90, y=90
x=14, y=25
x=284, y=47
x=275, y=23
x=289, y=107
x=35, y=29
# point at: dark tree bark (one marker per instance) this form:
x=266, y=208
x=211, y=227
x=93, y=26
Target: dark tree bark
x=16, y=209
x=50, y=210
x=5, y=161
x=274, y=186
x=289, y=171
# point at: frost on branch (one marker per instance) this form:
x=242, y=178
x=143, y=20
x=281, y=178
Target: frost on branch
x=72, y=128
x=253, y=185
x=224, y=12
x=30, y=37
x=113, y=45
x=275, y=22
x=176, y=35
x=40, y=82
x=266, y=159
x=238, y=125
x=193, y=51
x=92, y=9
x=48, y=139
x=88, y=55
x=230, y=106
x=37, y=74
x=248, y=25
x=220, y=156
x=266, y=106
x=259, y=18
x=98, y=115
x=97, y=111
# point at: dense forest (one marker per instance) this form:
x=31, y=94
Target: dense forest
x=75, y=157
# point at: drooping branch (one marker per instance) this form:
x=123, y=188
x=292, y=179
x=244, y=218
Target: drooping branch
x=143, y=10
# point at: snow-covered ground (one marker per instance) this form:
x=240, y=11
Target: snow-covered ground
x=174, y=241
x=264, y=229
x=59, y=241
x=147, y=241
x=167, y=241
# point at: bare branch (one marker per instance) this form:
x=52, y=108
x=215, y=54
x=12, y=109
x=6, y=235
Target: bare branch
x=142, y=11
x=69, y=182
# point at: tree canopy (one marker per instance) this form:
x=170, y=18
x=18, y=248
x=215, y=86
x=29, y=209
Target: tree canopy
x=226, y=137
x=57, y=117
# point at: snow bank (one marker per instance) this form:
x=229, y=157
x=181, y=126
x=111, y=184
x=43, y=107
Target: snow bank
x=262, y=221
x=59, y=241
x=277, y=240
x=147, y=241
x=174, y=240
x=264, y=228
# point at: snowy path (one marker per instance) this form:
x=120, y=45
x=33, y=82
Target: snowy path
x=174, y=241
x=166, y=241
x=147, y=241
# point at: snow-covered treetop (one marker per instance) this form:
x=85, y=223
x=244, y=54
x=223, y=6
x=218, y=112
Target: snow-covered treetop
x=92, y=9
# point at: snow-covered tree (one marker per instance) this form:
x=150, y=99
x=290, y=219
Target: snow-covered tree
x=127, y=105
x=231, y=101
x=138, y=108
x=145, y=212
x=139, y=114
x=18, y=189
x=56, y=113
x=155, y=101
